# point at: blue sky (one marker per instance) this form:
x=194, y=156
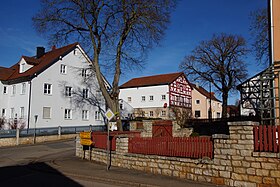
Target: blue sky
x=192, y=21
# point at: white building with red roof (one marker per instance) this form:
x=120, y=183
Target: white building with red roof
x=54, y=86
x=153, y=96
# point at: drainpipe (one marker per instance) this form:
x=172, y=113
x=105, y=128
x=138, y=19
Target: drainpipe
x=270, y=31
x=29, y=105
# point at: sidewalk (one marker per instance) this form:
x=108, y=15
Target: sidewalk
x=75, y=167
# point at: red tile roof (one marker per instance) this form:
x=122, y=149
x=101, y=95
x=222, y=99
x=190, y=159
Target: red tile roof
x=163, y=79
x=49, y=58
x=205, y=92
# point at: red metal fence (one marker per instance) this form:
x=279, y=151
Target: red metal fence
x=191, y=147
x=266, y=138
x=100, y=138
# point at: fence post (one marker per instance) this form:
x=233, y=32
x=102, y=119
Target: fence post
x=17, y=136
x=59, y=132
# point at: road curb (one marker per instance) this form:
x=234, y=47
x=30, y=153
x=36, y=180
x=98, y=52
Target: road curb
x=107, y=180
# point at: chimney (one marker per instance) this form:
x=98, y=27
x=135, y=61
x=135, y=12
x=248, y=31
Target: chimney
x=40, y=52
x=53, y=47
x=197, y=84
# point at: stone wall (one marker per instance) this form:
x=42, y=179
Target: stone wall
x=146, y=128
x=4, y=142
x=235, y=163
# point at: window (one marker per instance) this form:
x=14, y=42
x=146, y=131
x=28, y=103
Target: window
x=3, y=112
x=151, y=97
x=21, y=114
x=84, y=73
x=47, y=89
x=23, y=88
x=218, y=115
x=12, y=114
x=143, y=98
x=197, y=113
x=85, y=93
x=128, y=99
x=151, y=113
x=14, y=89
x=46, y=112
x=85, y=114
x=121, y=106
x=163, y=113
x=63, y=69
x=197, y=101
x=68, y=91
x=68, y=114
x=97, y=115
x=163, y=97
x=5, y=90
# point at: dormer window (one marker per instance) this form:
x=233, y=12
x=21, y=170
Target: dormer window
x=24, y=66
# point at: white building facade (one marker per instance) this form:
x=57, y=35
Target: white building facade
x=54, y=87
x=153, y=96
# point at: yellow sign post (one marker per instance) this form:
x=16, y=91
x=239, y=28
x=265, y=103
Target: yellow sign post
x=85, y=135
x=85, y=138
x=86, y=142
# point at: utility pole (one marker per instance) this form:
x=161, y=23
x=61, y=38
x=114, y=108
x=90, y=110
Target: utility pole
x=210, y=107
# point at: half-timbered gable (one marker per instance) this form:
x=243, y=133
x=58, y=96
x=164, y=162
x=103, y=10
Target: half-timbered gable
x=180, y=93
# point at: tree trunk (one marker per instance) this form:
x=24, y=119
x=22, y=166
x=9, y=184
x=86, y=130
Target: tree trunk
x=225, y=103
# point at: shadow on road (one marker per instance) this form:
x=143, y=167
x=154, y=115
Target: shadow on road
x=34, y=174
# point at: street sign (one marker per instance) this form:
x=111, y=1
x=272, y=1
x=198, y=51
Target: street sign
x=85, y=135
x=109, y=114
x=87, y=142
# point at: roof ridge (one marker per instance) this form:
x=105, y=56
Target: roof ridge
x=157, y=75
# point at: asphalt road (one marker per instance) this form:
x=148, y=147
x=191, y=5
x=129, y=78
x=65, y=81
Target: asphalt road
x=31, y=166
x=55, y=164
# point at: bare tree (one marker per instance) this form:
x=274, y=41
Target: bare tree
x=218, y=61
x=181, y=115
x=116, y=32
x=259, y=29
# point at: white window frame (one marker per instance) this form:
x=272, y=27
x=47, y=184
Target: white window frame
x=47, y=89
x=85, y=115
x=97, y=115
x=143, y=98
x=199, y=114
x=68, y=114
x=163, y=113
x=4, y=112
x=68, y=91
x=14, y=89
x=49, y=110
x=21, y=112
x=5, y=89
x=163, y=97
x=151, y=113
x=23, y=88
x=12, y=112
x=151, y=98
x=84, y=72
x=85, y=93
x=197, y=101
x=63, y=69
x=129, y=99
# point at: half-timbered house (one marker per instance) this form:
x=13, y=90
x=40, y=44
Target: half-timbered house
x=153, y=96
